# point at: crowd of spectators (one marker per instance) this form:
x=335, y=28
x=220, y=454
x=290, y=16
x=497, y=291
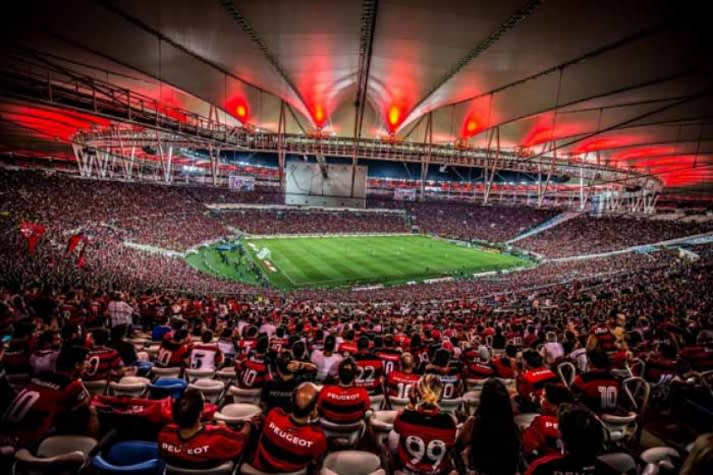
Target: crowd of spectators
x=585, y=235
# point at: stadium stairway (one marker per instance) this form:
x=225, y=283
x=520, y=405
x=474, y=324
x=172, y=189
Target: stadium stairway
x=550, y=223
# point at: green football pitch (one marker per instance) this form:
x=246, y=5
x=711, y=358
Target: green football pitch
x=338, y=261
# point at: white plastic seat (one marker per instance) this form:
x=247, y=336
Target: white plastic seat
x=152, y=351
x=211, y=389
x=174, y=372
x=523, y=421
x=656, y=458
x=352, y=462
x=471, y=401
x=62, y=444
x=398, y=403
x=237, y=413
x=618, y=426
x=140, y=343
x=67, y=463
x=247, y=469
x=381, y=423
x=451, y=406
x=377, y=401
x=226, y=374
x=621, y=462
x=97, y=388
x=132, y=386
x=224, y=469
x=192, y=375
x=343, y=435
x=567, y=372
x=246, y=396
x=474, y=384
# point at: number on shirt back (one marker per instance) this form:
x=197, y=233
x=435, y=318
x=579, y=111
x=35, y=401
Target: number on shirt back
x=93, y=365
x=249, y=376
x=164, y=357
x=365, y=374
x=21, y=406
x=608, y=395
x=448, y=390
x=197, y=362
x=418, y=450
x=403, y=389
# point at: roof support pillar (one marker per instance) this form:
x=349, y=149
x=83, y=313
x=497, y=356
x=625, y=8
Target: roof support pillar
x=281, y=127
x=426, y=158
x=491, y=166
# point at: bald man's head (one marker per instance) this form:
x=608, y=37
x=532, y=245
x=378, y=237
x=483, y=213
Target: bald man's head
x=304, y=400
x=407, y=362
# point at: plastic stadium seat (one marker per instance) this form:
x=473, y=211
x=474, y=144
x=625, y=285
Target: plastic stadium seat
x=377, y=401
x=381, y=423
x=523, y=421
x=620, y=461
x=475, y=384
x=140, y=343
x=247, y=469
x=152, y=350
x=212, y=390
x=352, y=462
x=143, y=368
x=471, y=401
x=658, y=458
x=166, y=372
x=567, y=372
x=618, y=426
x=133, y=457
x=246, y=396
x=237, y=413
x=225, y=469
x=192, y=375
x=226, y=375
x=96, y=388
x=398, y=403
x=342, y=435
x=163, y=387
x=132, y=386
x=451, y=406
x=56, y=455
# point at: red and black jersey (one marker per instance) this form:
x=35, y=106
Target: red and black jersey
x=390, y=360
x=369, y=372
x=531, y=383
x=277, y=344
x=605, y=338
x=503, y=367
x=660, y=369
x=172, y=354
x=398, y=384
x=286, y=446
x=477, y=370
x=402, y=341
x=421, y=356
x=253, y=371
x=699, y=356
x=206, y=356
x=209, y=447
x=246, y=345
x=72, y=312
x=156, y=412
x=451, y=380
x=598, y=390
x=425, y=438
x=343, y=405
x=102, y=363
x=563, y=464
x=542, y=437
x=34, y=410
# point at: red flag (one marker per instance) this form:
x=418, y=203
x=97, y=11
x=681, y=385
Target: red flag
x=32, y=232
x=74, y=242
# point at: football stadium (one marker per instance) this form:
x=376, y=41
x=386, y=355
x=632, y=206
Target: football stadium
x=374, y=237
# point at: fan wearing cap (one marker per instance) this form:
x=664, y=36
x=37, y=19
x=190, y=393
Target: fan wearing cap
x=188, y=443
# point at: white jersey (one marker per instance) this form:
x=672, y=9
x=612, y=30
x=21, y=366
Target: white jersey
x=204, y=356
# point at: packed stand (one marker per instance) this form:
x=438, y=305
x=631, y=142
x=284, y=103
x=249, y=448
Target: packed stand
x=574, y=379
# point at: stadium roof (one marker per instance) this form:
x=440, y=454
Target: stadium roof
x=630, y=80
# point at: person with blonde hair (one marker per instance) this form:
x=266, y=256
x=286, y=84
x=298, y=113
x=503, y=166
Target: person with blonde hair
x=426, y=435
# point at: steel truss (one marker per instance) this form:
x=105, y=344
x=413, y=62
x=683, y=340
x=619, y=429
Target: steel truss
x=140, y=122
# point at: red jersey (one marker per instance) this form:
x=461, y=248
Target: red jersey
x=253, y=371
x=246, y=345
x=659, y=370
x=157, y=412
x=598, y=390
x=206, y=356
x=343, y=405
x=700, y=357
x=347, y=347
x=369, y=372
x=531, y=383
x=402, y=341
x=605, y=338
x=542, y=437
x=451, y=380
x=102, y=363
x=425, y=438
x=209, y=447
x=558, y=464
x=477, y=370
x=398, y=384
x=286, y=446
x=32, y=413
x=502, y=368
x=172, y=354
x=277, y=344
x=390, y=360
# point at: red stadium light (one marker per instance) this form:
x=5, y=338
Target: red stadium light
x=471, y=126
x=394, y=116
x=241, y=111
x=319, y=115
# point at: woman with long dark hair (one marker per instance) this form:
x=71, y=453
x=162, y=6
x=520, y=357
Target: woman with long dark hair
x=495, y=442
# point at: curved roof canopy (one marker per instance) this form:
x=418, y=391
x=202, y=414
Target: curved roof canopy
x=629, y=81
